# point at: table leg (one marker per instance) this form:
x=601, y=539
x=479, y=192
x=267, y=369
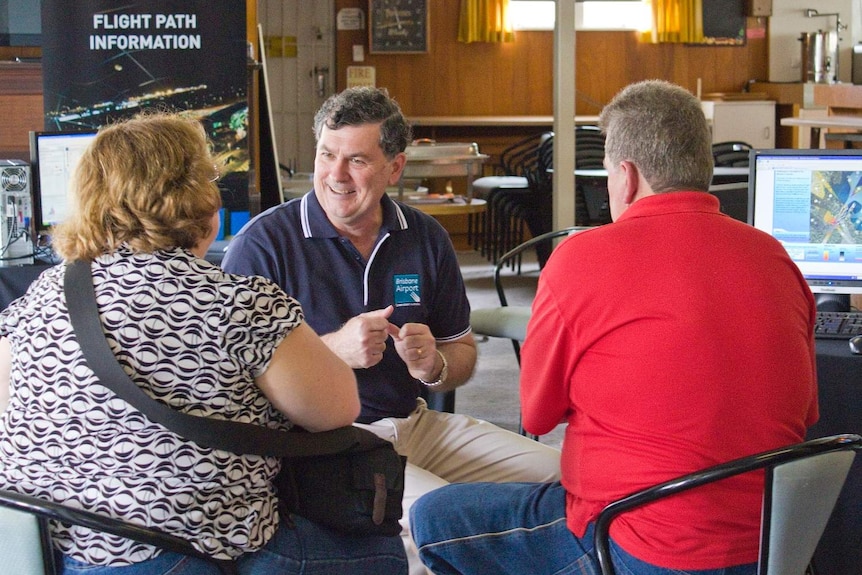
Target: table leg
x=815, y=138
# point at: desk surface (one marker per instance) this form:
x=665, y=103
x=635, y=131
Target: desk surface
x=846, y=122
x=718, y=171
x=815, y=125
x=495, y=120
x=476, y=206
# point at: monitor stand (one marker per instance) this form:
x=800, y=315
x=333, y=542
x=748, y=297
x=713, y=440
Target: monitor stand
x=832, y=301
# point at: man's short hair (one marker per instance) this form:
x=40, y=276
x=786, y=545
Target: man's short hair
x=364, y=105
x=661, y=128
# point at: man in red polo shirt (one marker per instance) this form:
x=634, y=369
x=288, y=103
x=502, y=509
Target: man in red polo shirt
x=671, y=340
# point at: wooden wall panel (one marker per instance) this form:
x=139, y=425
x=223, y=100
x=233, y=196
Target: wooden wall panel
x=21, y=114
x=21, y=104
x=456, y=79
x=12, y=52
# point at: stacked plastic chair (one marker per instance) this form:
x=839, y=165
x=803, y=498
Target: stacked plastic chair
x=520, y=198
x=502, y=226
x=589, y=155
x=536, y=208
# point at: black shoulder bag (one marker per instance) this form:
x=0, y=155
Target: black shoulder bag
x=346, y=479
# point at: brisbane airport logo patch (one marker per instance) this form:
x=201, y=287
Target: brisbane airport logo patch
x=407, y=290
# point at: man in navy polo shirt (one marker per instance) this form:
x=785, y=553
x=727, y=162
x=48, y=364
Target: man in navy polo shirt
x=380, y=282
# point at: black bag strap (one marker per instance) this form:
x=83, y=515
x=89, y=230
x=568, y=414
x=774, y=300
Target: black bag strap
x=233, y=436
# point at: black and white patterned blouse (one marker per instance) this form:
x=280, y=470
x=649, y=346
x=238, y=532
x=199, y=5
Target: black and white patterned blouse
x=191, y=336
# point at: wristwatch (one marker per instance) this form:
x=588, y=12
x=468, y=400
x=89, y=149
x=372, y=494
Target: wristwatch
x=443, y=372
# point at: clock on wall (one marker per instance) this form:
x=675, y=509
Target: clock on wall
x=397, y=26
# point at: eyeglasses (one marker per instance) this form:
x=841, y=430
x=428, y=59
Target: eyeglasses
x=217, y=175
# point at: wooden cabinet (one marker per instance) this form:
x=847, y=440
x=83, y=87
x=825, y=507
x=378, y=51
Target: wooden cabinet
x=752, y=122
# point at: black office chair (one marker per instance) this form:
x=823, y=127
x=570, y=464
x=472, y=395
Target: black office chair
x=730, y=154
x=801, y=486
x=25, y=545
x=510, y=321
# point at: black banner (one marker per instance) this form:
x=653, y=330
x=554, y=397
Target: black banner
x=103, y=60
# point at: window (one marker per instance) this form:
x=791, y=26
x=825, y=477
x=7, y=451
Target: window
x=589, y=15
x=532, y=14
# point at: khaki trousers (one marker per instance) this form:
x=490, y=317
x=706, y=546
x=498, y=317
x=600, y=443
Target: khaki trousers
x=444, y=448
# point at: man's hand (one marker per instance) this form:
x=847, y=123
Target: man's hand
x=417, y=347
x=362, y=340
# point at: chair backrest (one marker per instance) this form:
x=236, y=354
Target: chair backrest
x=26, y=519
x=540, y=182
x=730, y=154
x=799, y=499
x=589, y=148
x=21, y=549
x=589, y=151
x=520, y=157
x=515, y=252
x=800, y=490
x=546, y=153
x=511, y=321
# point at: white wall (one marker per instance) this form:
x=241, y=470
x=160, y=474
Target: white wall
x=788, y=22
x=293, y=93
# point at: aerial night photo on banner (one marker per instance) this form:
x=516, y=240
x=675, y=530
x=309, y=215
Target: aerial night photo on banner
x=103, y=60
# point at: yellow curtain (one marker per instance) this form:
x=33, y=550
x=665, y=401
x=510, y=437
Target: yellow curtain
x=485, y=21
x=679, y=21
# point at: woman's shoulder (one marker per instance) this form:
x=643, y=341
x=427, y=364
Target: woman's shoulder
x=255, y=293
x=43, y=296
x=179, y=268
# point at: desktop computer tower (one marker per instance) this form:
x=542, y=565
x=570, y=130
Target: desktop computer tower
x=16, y=244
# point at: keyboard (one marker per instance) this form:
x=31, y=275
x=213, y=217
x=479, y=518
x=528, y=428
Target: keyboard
x=838, y=324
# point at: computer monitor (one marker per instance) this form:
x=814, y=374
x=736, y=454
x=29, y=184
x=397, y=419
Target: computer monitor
x=733, y=199
x=811, y=201
x=53, y=157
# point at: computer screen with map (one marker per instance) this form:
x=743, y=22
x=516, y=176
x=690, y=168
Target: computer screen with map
x=811, y=200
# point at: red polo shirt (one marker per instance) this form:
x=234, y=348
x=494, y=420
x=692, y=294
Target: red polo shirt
x=671, y=340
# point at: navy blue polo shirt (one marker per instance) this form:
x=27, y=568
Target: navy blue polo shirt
x=412, y=267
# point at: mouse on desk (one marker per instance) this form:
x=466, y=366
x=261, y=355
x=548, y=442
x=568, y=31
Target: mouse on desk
x=856, y=344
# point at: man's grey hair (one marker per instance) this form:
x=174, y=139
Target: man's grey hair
x=661, y=128
x=364, y=105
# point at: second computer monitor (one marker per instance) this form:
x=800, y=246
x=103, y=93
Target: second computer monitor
x=53, y=157
x=811, y=201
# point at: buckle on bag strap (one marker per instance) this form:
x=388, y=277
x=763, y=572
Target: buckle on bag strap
x=379, y=511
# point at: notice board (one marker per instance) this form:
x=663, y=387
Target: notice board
x=724, y=22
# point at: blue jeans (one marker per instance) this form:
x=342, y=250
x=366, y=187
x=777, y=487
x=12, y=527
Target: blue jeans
x=515, y=528
x=306, y=549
